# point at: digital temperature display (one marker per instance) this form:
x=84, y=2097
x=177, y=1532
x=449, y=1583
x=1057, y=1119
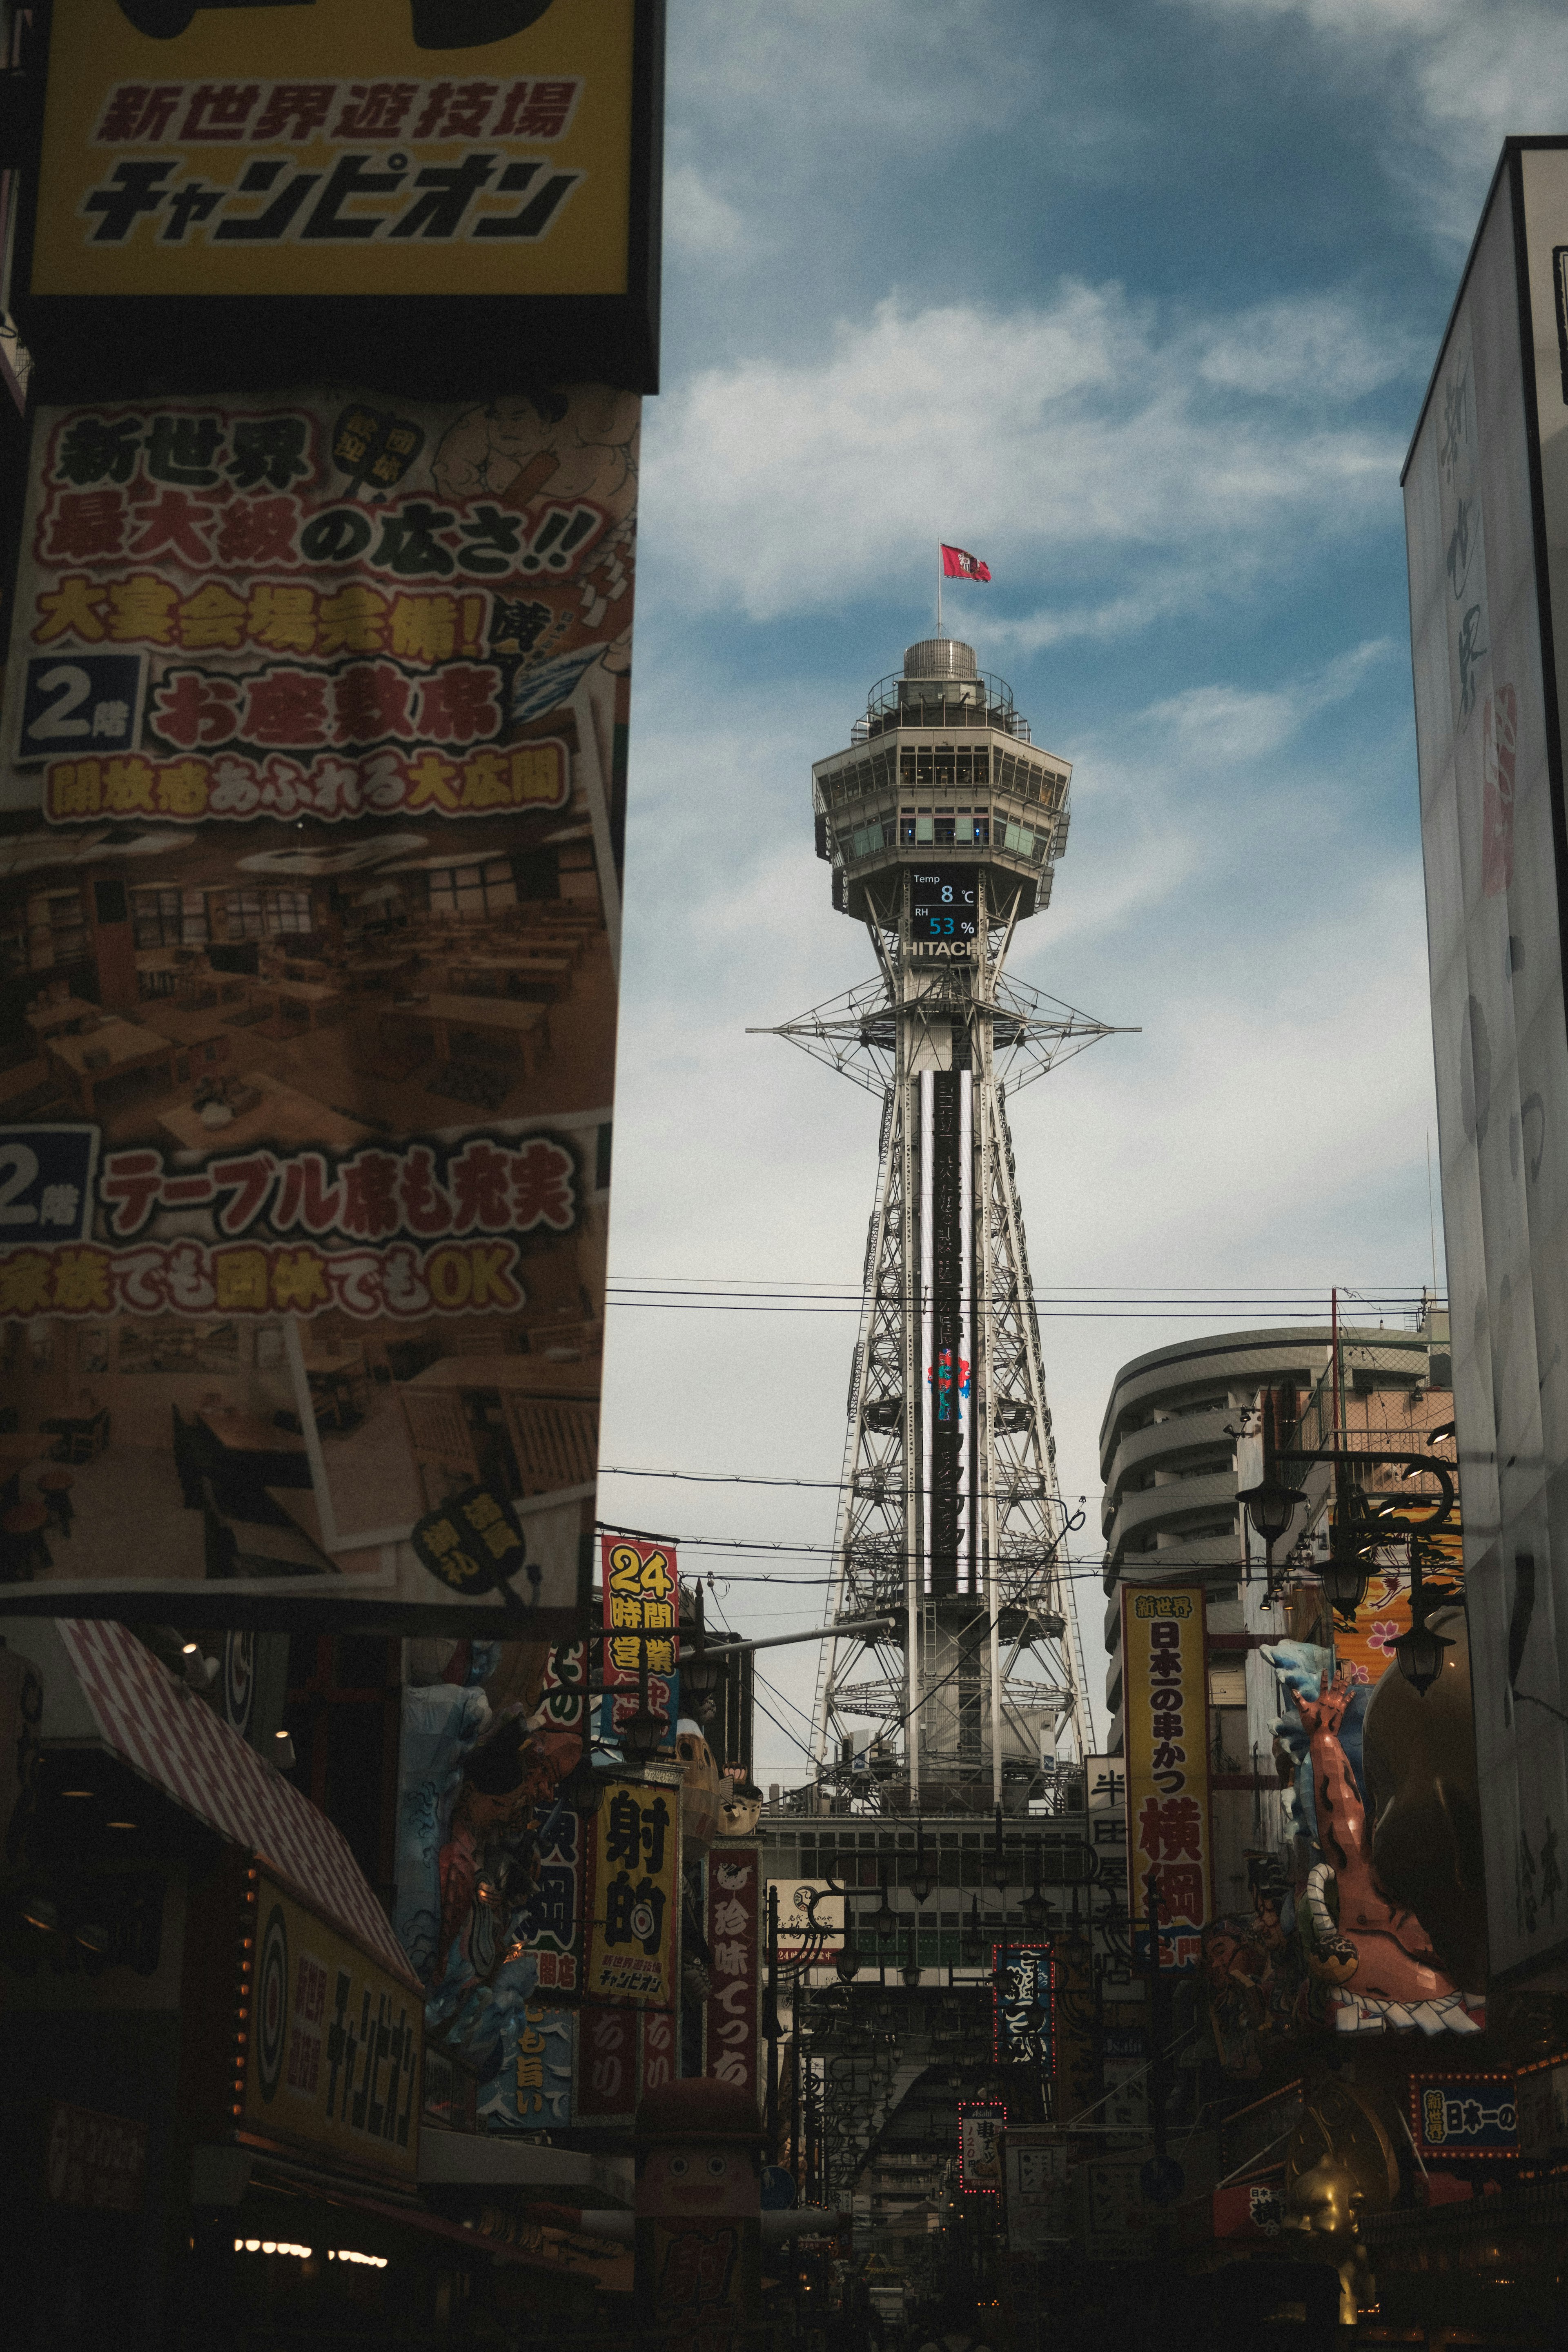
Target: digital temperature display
x=943, y=901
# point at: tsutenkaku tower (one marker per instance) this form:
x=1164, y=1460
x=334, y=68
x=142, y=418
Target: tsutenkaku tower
x=943, y=825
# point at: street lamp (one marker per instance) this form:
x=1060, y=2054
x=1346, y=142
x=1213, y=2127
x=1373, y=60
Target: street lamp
x=1271, y=1506
x=1419, y=1653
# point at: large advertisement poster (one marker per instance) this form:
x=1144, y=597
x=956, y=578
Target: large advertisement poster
x=309, y=922
x=350, y=147
x=1481, y=491
x=1170, y=1838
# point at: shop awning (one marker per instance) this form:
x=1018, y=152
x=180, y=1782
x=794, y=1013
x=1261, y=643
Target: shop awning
x=172, y=1739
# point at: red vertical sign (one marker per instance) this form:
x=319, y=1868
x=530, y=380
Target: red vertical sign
x=607, y=2065
x=734, y=1931
x=642, y=1617
x=658, y=2050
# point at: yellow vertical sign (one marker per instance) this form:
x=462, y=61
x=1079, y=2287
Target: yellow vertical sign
x=1164, y=1714
x=633, y=1915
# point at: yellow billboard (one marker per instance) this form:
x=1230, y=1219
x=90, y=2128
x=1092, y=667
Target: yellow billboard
x=633, y=1920
x=1165, y=1671
x=333, y=2057
x=337, y=147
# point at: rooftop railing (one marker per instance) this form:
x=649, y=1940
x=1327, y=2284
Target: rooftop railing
x=897, y=701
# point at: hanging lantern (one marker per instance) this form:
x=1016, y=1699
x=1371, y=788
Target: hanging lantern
x=1419, y=1655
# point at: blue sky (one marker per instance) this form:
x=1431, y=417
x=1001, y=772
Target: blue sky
x=1137, y=301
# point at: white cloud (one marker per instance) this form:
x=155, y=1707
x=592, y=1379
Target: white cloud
x=1313, y=348
x=699, y=222
x=1080, y=426
x=1460, y=77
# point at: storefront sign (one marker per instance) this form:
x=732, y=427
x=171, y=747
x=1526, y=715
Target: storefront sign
x=1541, y=2103
x=351, y=147
x=1023, y=2005
x=633, y=1917
x=1075, y=2086
x=550, y=1928
x=980, y=2123
x=735, y=1933
x=642, y=1627
x=95, y=2161
x=1036, y=2187
x=534, y=2092
x=811, y=1919
x=333, y=2059
x=1124, y=2061
x=608, y=2083
x=1111, y=2222
x=307, y=853
x=1455, y=2115
x=1164, y=1668
x=656, y=2055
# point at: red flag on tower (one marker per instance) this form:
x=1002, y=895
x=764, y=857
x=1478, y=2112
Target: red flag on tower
x=957, y=563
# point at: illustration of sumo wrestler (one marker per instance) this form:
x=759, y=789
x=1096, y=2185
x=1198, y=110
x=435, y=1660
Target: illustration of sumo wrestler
x=553, y=449
x=557, y=445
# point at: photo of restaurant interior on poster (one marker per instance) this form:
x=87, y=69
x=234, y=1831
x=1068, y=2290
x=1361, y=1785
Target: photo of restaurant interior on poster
x=309, y=928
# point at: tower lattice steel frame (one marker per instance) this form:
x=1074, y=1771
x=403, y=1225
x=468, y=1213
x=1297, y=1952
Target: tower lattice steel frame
x=943, y=825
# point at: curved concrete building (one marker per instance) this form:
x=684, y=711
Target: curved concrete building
x=1167, y=1455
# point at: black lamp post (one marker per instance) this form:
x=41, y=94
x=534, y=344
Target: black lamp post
x=1036, y=1910
x=1271, y=1506
x=922, y=1883
x=701, y=1669
x=1419, y=1653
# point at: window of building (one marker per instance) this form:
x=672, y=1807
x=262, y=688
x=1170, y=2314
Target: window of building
x=169, y=918
x=268, y=914
x=473, y=891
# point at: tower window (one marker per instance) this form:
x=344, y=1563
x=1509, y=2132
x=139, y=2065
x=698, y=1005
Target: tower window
x=923, y=829
x=944, y=828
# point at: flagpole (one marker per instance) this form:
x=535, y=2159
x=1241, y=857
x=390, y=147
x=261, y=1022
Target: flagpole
x=939, y=587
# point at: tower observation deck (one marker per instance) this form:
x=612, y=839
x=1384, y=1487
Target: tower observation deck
x=942, y=824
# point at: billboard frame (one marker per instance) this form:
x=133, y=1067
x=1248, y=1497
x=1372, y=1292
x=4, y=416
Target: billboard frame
x=429, y=346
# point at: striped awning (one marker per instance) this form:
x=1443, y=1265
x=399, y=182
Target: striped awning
x=166, y=1734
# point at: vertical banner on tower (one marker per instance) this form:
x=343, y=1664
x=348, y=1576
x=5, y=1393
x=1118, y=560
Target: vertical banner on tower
x=946, y=1208
x=309, y=919
x=634, y=1906
x=1165, y=1710
x=733, y=1927
x=642, y=1628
